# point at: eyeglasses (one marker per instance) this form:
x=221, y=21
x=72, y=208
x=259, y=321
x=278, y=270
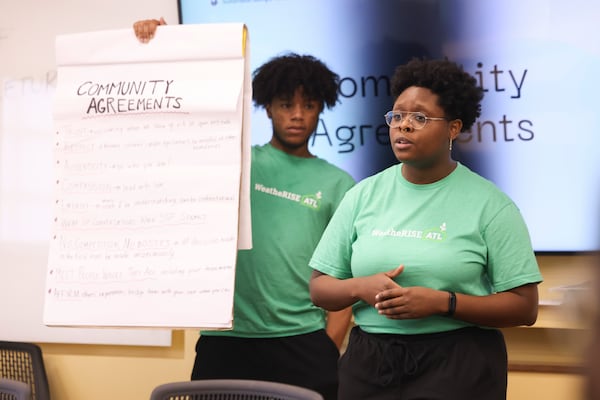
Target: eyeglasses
x=417, y=119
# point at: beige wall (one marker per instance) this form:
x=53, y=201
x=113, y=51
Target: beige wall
x=546, y=386
x=99, y=372
x=554, y=345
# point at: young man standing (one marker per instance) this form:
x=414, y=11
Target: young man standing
x=278, y=334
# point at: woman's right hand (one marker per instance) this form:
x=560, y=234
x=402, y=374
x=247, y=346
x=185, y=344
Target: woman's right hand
x=371, y=286
x=335, y=294
x=145, y=29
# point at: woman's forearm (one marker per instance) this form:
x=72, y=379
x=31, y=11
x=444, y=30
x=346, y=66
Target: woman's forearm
x=330, y=293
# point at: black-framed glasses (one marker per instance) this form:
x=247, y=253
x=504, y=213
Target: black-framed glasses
x=416, y=119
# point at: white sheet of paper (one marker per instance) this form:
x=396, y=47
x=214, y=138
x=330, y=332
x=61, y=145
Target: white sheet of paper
x=151, y=177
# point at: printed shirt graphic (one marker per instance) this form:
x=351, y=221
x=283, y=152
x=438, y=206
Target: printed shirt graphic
x=292, y=200
x=460, y=233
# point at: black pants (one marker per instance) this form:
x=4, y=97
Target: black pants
x=465, y=364
x=304, y=360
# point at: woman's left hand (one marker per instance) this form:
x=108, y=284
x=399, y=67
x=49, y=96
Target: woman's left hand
x=411, y=302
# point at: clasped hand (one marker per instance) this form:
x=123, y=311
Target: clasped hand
x=397, y=302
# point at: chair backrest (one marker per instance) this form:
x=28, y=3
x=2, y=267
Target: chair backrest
x=22, y=361
x=14, y=390
x=231, y=389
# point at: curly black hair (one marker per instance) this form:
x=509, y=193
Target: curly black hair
x=458, y=93
x=282, y=75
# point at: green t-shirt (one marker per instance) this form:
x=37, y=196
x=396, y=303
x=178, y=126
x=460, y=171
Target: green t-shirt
x=292, y=200
x=460, y=234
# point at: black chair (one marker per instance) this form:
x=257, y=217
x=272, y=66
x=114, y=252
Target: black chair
x=231, y=389
x=14, y=390
x=22, y=361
